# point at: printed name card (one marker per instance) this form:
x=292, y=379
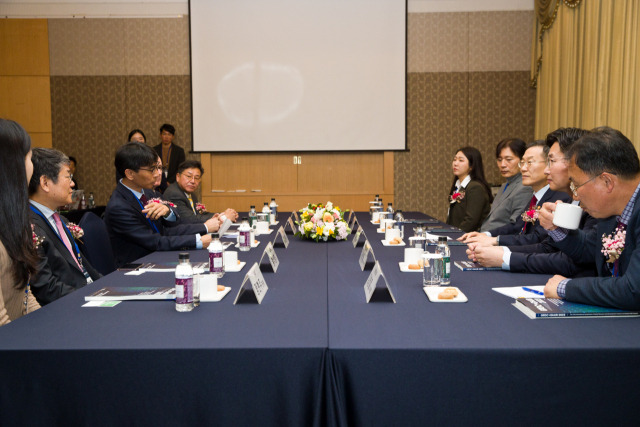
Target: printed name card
x=372, y=280
x=291, y=225
x=295, y=215
x=366, y=250
x=356, y=238
x=352, y=221
x=258, y=284
x=350, y=216
x=271, y=254
x=282, y=234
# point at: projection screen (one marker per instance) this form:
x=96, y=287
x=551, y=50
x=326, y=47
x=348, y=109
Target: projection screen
x=298, y=75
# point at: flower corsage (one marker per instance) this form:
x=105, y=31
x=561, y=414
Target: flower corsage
x=201, y=209
x=531, y=215
x=37, y=240
x=613, y=244
x=164, y=202
x=75, y=230
x=457, y=196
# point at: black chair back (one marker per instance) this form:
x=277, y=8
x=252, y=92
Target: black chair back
x=96, y=245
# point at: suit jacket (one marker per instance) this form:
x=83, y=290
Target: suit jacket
x=175, y=195
x=11, y=296
x=58, y=274
x=605, y=290
x=508, y=204
x=175, y=158
x=131, y=232
x=469, y=213
x=511, y=234
x=546, y=258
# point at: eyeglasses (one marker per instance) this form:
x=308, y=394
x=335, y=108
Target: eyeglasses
x=191, y=177
x=551, y=162
x=529, y=163
x=70, y=177
x=152, y=169
x=574, y=188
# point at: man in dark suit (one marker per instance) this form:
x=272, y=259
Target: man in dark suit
x=62, y=268
x=182, y=193
x=170, y=153
x=136, y=220
x=605, y=178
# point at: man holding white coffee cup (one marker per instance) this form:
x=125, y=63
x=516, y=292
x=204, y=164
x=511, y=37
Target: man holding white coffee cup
x=605, y=177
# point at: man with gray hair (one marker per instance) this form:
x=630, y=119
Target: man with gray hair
x=62, y=268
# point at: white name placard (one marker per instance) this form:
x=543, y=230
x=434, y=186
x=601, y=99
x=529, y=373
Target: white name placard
x=372, y=280
x=353, y=224
x=350, y=216
x=295, y=215
x=291, y=224
x=271, y=254
x=356, y=238
x=282, y=234
x=258, y=284
x=366, y=250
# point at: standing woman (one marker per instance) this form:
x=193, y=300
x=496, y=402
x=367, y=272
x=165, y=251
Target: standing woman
x=470, y=196
x=15, y=172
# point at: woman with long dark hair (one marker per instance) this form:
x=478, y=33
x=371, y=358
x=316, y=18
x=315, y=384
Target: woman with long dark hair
x=18, y=258
x=470, y=196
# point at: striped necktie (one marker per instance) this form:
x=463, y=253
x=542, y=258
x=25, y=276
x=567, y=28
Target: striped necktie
x=193, y=208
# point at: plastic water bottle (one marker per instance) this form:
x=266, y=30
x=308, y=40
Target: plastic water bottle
x=265, y=209
x=390, y=209
x=399, y=218
x=83, y=202
x=274, y=209
x=253, y=216
x=184, y=283
x=92, y=201
x=443, y=248
x=244, y=235
x=216, y=251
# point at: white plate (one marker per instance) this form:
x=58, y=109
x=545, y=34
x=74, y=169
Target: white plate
x=235, y=268
x=385, y=243
x=253, y=245
x=404, y=267
x=213, y=296
x=375, y=222
x=262, y=234
x=433, y=291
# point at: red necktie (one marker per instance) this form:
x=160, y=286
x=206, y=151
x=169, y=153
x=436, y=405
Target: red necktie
x=144, y=200
x=64, y=237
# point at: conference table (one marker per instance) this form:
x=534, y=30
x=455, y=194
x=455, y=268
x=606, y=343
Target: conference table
x=316, y=353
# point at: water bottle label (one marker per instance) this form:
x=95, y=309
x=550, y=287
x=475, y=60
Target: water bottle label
x=447, y=266
x=179, y=292
x=244, y=238
x=215, y=262
x=184, y=291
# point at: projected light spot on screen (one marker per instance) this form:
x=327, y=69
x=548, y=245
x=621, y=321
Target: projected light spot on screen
x=292, y=75
x=260, y=94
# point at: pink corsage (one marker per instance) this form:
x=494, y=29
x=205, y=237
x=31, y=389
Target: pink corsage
x=37, y=240
x=200, y=208
x=75, y=230
x=456, y=197
x=530, y=215
x=164, y=202
x=613, y=244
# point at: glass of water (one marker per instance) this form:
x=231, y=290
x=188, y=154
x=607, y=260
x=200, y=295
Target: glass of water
x=432, y=270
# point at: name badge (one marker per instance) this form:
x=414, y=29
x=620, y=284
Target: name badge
x=258, y=284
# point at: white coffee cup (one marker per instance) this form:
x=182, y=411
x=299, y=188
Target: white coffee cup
x=567, y=216
x=375, y=216
x=230, y=258
x=391, y=233
x=386, y=224
x=262, y=227
x=412, y=255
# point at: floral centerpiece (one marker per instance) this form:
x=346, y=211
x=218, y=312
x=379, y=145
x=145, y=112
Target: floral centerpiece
x=322, y=223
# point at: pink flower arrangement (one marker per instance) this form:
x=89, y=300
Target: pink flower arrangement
x=200, y=208
x=456, y=197
x=37, y=240
x=530, y=215
x=75, y=230
x=613, y=244
x=164, y=202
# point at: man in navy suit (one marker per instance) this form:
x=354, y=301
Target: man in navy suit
x=605, y=177
x=62, y=268
x=136, y=223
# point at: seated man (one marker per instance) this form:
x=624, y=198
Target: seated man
x=529, y=231
x=605, y=177
x=62, y=268
x=543, y=257
x=136, y=223
x=182, y=194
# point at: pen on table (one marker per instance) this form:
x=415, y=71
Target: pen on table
x=524, y=288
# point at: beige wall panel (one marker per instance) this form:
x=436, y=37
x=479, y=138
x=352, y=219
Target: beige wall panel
x=344, y=173
x=500, y=41
x=437, y=125
x=274, y=174
x=437, y=42
x=87, y=47
x=157, y=46
x=43, y=140
x=27, y=100
x=24, y=47
x=502, y=105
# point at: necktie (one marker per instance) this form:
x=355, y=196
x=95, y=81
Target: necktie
x=505, y=187
x=144, y=200
x=193, y=208
x=64, y=237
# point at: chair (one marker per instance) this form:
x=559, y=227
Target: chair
x=96, y=244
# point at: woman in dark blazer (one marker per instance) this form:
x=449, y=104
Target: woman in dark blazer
x=470, y=196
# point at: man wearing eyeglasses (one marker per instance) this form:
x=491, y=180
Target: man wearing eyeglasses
x=62, y=268
x=183, y=194
x=137, y=224
x=604, y=170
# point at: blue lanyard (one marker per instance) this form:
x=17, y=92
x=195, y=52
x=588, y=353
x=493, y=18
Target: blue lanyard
x=37, y=212
x=148, y=220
